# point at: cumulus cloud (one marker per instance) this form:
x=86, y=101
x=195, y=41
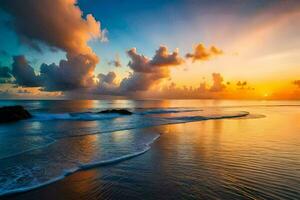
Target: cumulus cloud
x=202, y=53
x=138, y=81
x=107, y=84
x=216, y=90
x=162, y=57
x=67, y=29
x=58, y=23
x=64, y=28
x=109, y=78
x=148, y=72
x=68, y=75
x=75, y=72
x=218, y=83
x=24, y=73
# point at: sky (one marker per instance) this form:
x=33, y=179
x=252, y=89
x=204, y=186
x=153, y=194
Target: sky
x=231, y=49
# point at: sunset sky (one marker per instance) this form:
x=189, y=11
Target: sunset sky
x=232, y=49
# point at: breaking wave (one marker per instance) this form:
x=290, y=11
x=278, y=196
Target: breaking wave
x=61, y=149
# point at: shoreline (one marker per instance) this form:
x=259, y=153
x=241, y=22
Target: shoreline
x=207, y=159
x=82, y=168
x=115, y=160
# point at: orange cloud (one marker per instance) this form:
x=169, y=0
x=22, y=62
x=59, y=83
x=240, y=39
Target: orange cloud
x=148, y=72
x=60, y=24
x=202, y=53
x=218, y=84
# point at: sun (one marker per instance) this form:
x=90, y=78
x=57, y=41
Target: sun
x=265, y=95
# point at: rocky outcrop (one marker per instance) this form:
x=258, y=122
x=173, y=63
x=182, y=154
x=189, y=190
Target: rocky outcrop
x=116, y=111
x=13, y=114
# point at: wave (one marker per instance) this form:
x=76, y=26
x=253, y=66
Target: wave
x=135, y=121
x=251, y=116
x=90, y=116
x=167, y=111
x=87, y=116
x=147, y=147
x=200, y=118
x=138, y=123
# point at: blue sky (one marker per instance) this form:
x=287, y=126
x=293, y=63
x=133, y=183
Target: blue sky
x=250, y=32
x=142, y=24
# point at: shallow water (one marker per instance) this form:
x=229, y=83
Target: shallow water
x=224, y=153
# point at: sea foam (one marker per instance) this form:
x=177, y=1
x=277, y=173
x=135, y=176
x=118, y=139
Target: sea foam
x=76, y=146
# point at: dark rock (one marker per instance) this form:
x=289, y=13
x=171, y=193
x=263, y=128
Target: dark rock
x=116, y=111
x=13, y=114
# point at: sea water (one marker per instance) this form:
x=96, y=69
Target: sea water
x=66, y=136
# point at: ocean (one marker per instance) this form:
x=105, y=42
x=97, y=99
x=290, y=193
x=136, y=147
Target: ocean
x=167, y=149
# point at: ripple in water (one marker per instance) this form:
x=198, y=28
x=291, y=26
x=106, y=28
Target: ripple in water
x=51, y=146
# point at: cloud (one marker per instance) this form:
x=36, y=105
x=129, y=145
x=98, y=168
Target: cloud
x=138, y=81
x=148, y=72
x=218, y=84
x=64, y=28
x=58, y=23
x=217, y=89
x=202, y=53
x=109, y=78
x=163, y=58
x=116, y=62
x=68, y=75
x=204, y=91
x=104, y=37
x=73, y=73
x=107, y=84
x=24, y=73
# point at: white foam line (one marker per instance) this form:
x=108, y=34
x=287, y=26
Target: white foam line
x=111, y=161
x=151, y=112
x=179, y=121
x=90, y=116
x=116, y=160
x=82, y=167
